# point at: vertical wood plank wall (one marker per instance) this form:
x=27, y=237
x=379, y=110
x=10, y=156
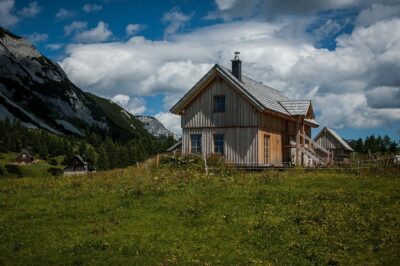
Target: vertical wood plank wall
x=240, y=143
x=242, y=125
x=238, y=111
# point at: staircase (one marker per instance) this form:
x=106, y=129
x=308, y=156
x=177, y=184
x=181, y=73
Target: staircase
x=309, y=150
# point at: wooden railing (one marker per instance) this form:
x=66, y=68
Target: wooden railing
x=315, y=144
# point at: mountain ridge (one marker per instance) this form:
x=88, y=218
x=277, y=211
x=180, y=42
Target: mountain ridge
x=36, y=91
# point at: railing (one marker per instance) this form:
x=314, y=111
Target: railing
x=316, y=144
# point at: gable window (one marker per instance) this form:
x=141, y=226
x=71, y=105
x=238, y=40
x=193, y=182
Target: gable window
x=219, y=143
x=195, y=143
x=219, y=103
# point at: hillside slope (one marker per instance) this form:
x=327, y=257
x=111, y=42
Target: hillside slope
x=36, y=91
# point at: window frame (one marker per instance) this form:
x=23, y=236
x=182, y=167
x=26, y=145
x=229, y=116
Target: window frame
x=216, y=103
x=219, y=146
x=199, y=147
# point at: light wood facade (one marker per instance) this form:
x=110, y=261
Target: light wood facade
x=252, y=136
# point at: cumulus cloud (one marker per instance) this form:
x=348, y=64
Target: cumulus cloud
x=376, y=13
x=384, y=97
x=136, y=105
x=63, y=13
x=132, y=29
x=7, y=18
x=75, y=26
x=90, y=8
x=341, y=83
x=176, y=20
x=171, y=122
x=31, y=10
x=100, y=33
x=271, y=9
x=37, y=37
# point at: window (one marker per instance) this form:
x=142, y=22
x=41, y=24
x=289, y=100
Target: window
x=266, y=149
x=195, y=141
x=219, y=103
x=219, y=143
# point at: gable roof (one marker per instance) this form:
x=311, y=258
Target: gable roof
x=26, y=152
x=336, y=136
x=261, y=96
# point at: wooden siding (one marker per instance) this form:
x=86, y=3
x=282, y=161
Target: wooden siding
x=327, y=141
x=240, y=144
x=238, y=111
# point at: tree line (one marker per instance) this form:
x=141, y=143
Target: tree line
x=373, y=144
x=99, y=151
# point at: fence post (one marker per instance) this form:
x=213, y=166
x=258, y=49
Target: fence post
x=358, y=166
x=205, y=163
x=137, y=164
x=158, y=159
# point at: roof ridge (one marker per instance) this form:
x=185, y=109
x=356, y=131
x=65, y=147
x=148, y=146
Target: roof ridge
x=252, y=79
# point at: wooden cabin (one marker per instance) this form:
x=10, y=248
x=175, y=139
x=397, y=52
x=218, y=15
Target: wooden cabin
x=24, y=157
x=243, y=120
x=340, y=150
x=76, y=166
x=176, y=148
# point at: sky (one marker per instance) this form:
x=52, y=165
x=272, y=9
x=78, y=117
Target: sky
x=344, y=55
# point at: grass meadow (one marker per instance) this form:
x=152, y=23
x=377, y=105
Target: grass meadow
x=175, y=214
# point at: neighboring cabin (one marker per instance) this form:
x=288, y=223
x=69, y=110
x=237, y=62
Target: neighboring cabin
x=76, y=166
x=339, y=148
x=247, y=122
x=24, y=157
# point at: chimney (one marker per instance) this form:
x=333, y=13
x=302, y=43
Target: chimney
x=237, y=66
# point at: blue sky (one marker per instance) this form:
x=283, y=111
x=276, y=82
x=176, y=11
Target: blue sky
x=343, y=55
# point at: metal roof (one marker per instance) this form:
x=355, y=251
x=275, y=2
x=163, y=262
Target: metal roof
x=336, y=136
x=267, y=96
x=264, y=97
x=296, y=107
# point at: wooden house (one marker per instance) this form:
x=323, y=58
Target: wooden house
x=176, y=148
x=76, y=166
x=340, y=150
x=25, y=157
x=245, y=121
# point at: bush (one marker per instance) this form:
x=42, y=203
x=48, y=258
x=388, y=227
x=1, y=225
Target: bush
x=53, y=162
x=13, y=169
x=55, y=171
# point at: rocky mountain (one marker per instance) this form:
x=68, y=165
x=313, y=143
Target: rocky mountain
x=154, y=127
x=36, y=91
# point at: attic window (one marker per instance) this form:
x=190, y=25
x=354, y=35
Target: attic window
x=219, y=103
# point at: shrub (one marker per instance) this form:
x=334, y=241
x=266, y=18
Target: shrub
x=55, y=171
x=13, y=169
x=53, y=162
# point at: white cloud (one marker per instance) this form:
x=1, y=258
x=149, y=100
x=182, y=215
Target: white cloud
x=176, y=20
x=90, y=8
x=75, y=26
x=37, y=37
x=54, y=46
x=6, y=10
x=31, y=10
x=376, y=13
x=100, y=33
x=340, y=83
x=136, y=105
x=64, y=14
x=171, y=122
x=132, y=29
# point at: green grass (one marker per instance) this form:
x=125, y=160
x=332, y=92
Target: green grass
x=37, y=170
x=177, y=215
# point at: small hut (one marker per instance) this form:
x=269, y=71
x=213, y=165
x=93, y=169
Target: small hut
x=176, y=148
x=76, y=166
x=24, y=157
x=339, y=148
